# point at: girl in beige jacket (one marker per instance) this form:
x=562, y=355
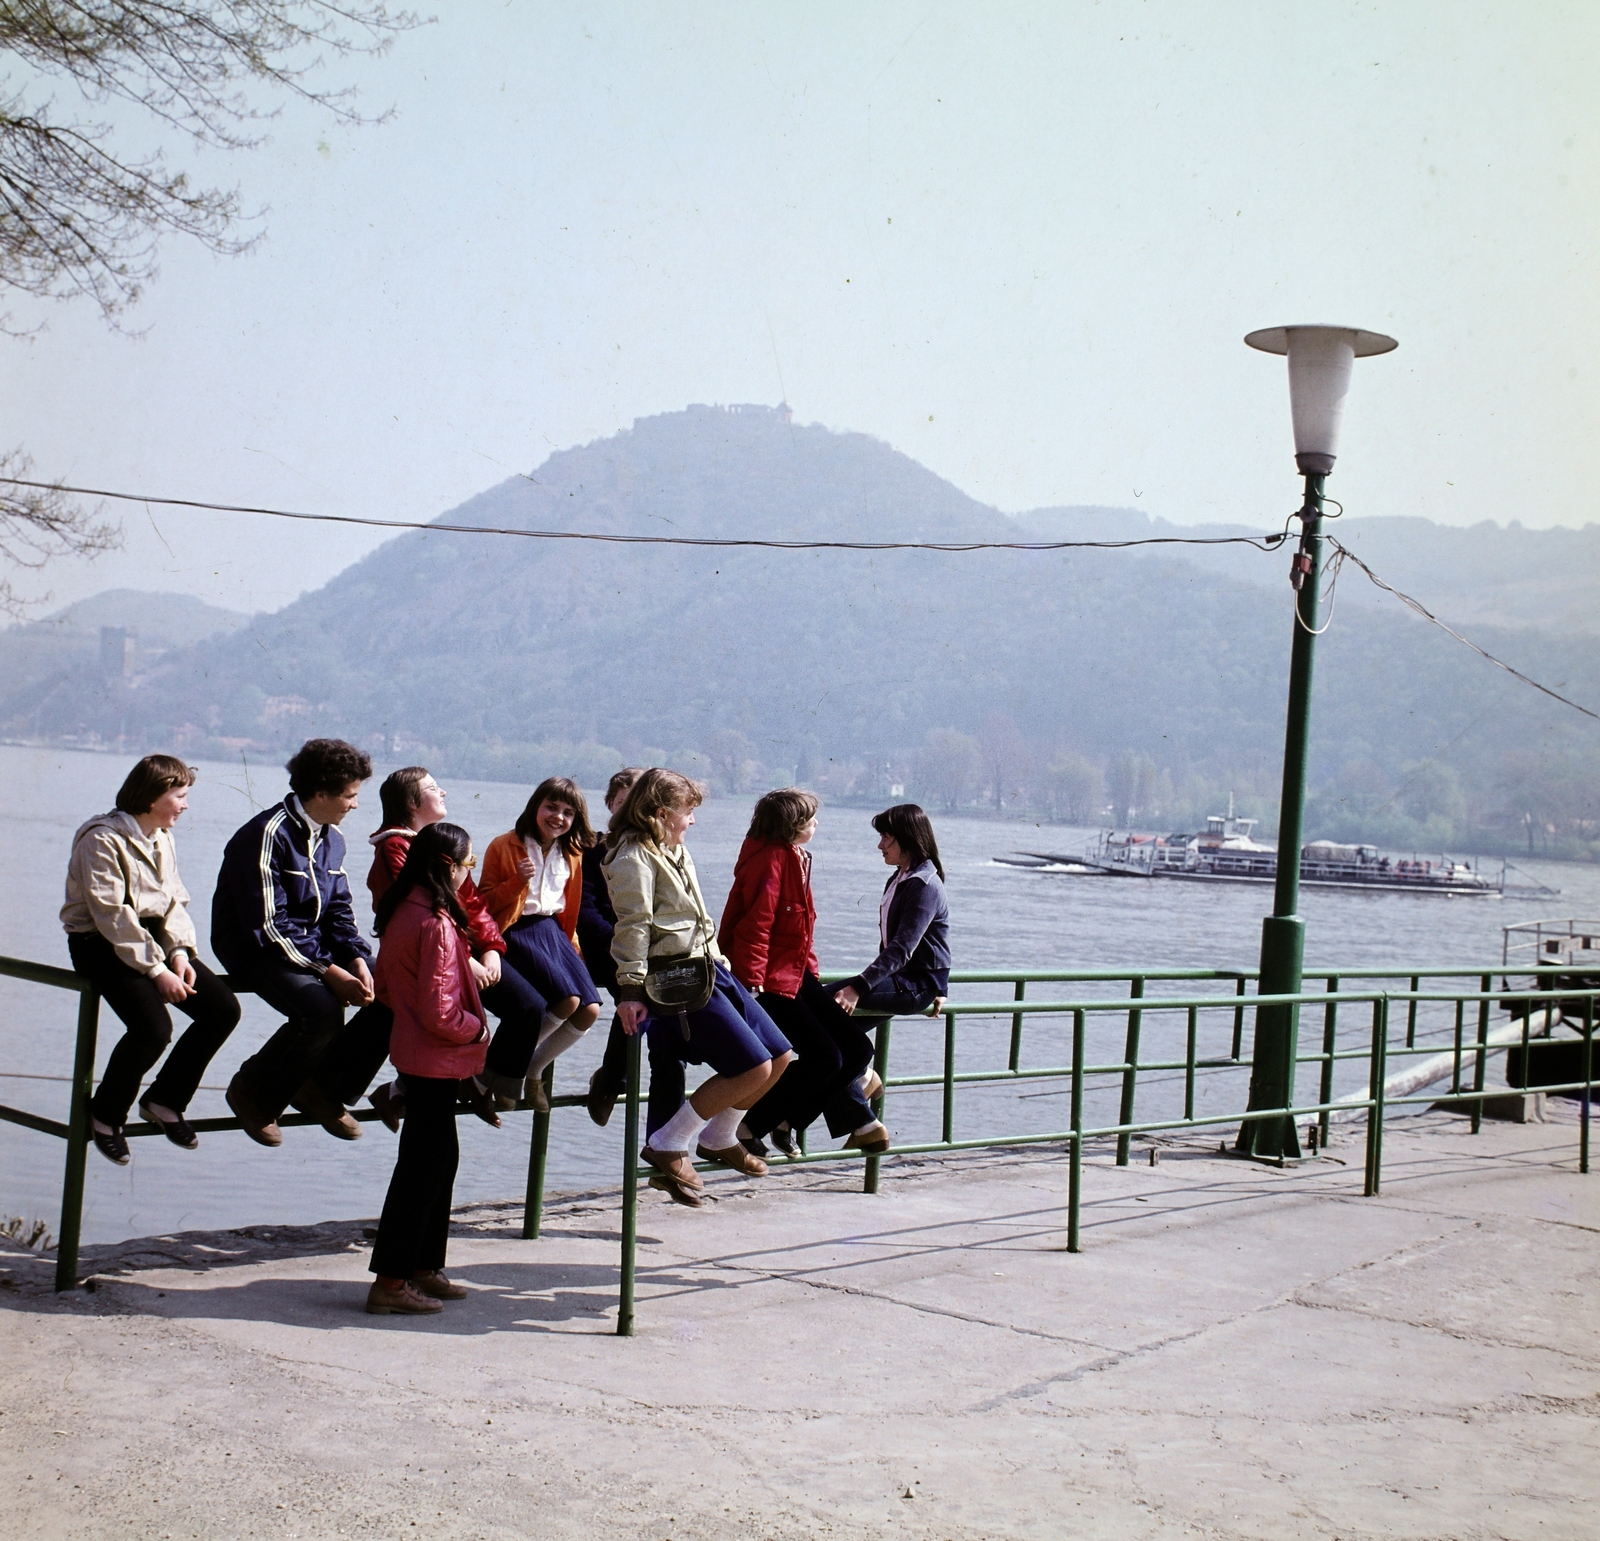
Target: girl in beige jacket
x=661, y=913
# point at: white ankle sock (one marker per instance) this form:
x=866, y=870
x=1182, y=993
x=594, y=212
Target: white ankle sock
x=722, y=1129
x=162, y=1115
x=555, y=1043
x=680, y=1132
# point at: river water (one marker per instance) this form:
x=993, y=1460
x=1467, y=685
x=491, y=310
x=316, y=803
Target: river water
x=1000, y=918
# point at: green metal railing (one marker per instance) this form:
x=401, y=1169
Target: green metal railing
x=1466, y=1013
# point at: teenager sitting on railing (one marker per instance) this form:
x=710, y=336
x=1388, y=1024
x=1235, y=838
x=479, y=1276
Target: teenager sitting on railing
x=411, y=800
x=129, y=933
x=768, y=930
x=597, y=923
x=283, y=925
x=533, y=885
x=912, y=970
x=661, y=918
x=425, y=977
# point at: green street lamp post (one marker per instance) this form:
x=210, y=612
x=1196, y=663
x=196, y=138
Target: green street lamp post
x=1320, y=360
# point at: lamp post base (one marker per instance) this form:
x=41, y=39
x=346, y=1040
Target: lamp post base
x=1272, y=1069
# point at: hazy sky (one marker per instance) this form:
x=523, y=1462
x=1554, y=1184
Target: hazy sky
x=1019, y=242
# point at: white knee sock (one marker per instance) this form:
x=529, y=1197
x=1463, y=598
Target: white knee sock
x=556, y=1043
x=722, y=1129
x=548, y=1023
x=680, y=1132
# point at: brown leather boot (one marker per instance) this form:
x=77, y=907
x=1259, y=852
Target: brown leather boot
x=736, y=1157
x=385, y=1300
x=436, y=1287
x=315, y=1102
x=256, y=1122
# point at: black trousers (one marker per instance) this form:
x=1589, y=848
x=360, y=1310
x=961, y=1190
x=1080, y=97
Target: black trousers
x=274, y=1072
x=213, y=1009
x=360, y=1047
x=667, y=1081
x=831, y=1054
x=415, y=1227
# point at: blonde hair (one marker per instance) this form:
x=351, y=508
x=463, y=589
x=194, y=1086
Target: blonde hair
x=657, y=791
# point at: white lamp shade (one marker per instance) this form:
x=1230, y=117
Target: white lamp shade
x=1319, y=380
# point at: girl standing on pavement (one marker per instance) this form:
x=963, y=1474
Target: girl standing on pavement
x=424, y=976
x=768, y=929
x=661, y=914
x=129, y=933
x=533, y=885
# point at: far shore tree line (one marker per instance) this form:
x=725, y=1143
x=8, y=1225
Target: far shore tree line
x=1514, y=803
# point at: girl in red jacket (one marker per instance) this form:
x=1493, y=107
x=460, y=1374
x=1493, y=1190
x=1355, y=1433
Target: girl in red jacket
x=767, y=930
x=424, y=976
x=533, y=885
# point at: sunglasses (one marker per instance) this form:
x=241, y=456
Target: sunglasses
x=469, y=863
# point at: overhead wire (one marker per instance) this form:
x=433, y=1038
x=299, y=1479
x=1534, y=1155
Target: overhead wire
x=1268, y=542
x=1428, y=615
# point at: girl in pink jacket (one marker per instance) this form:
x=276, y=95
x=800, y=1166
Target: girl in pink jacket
x=424, y=976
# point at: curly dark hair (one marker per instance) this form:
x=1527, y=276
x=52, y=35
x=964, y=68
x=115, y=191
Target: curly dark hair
x=326, y=765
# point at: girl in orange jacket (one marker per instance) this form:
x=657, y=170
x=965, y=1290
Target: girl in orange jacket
x=533, y=885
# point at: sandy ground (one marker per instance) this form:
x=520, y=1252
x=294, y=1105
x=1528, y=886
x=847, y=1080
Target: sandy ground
x=1237, y=1352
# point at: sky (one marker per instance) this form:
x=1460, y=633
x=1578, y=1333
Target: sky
x=1021, y=243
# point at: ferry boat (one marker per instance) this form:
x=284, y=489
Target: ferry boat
x=1226, y=851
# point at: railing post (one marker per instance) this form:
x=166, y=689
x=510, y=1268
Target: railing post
x=1379, y=1062
x=1190, y=1047
x=1016, y=1026
x=1588, y=1083
x=949, y=1076
x=880, y=1063
x=1411, y=1013
x=1481, y=1059
x=77, y=1140
x=1075, y=1161
x=1238, y=1020
x=538, y=1147
x=1461, y=1029
x=1130, y=1075
x=1330, y=1039
x=630, y=1192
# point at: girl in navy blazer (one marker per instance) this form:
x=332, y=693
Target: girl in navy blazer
x=912, y=970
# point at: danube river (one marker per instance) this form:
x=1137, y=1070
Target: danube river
x=1000, y=918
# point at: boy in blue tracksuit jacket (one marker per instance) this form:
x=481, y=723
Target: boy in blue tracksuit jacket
x=283, y=925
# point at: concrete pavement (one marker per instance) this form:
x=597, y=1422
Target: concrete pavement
x=1237, y=1352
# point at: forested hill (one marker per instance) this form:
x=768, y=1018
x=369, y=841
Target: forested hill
x=494, y=654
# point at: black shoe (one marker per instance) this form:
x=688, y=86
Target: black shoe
x=602, y=1098
x=756, y=1147
x=113, y=1146
x=389, y=1105
x=787, y=1144
x=177, y=1129
x=470, y=1095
